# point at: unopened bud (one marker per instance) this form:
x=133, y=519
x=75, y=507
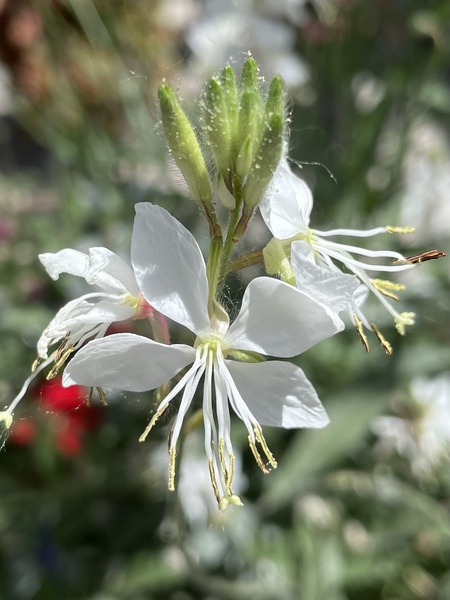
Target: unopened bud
x=251, y=115
x=245, y=158
x=184, y=146
x=224, y=195
x=217, y=125
x=231, y=100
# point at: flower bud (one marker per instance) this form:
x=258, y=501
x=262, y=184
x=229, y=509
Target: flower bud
x=184, y=146
x=217, y=124
x=224, y=195
x=230, y=95
x=268, y=155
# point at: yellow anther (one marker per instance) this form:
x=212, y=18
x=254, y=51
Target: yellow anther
x=403, y=320
x=383, y=341
x=260, y=438
x=214, y=482
x=152, y=422
x=59, y=363
x=259, y=460
x=62, y=347
x=102, y=395
x=391, y=229
x=35, y=365
x=360, y=331
x=384, y=287
x=172, y=458
x=230, y=475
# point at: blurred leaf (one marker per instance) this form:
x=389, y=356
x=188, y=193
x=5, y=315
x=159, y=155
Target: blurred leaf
x=313, y=451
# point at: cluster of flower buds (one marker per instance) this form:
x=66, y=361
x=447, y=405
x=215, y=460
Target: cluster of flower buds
x=293, y=306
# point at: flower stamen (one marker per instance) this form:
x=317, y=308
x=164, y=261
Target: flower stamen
x=360, y=332
x=172, y=459
x=260, y=439
x=383, y=341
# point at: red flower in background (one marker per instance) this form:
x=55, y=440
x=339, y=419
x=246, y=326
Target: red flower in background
x=69, y=418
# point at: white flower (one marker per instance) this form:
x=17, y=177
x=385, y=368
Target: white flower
x=424, y=438
x=275, y=319
x=286, y=209
x=90, y=315
x=86, y=317
x=233, y=29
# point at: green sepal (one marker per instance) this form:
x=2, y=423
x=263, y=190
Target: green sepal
x=224, y=195
x=184, y=146
x=246, y=356
x=277, y=260
x=244, y=158
x=231, y=98
x=217, y=125
x=251, y=115
x=249, y=75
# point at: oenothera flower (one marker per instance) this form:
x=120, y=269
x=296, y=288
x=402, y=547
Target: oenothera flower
x=286, y=209
x=275, y=319
x=90, y=315
x=86, y=317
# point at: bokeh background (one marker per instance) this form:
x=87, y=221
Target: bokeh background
x=357, y=511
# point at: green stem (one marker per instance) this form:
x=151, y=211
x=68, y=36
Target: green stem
x=213, y=270
x=255, y=257
x=229, y=242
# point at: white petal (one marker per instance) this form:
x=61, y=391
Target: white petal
x=106, y=312
x=277, y=319
x=169, y=267
x=287, y=203
x=109, y=271
x=128, y=362
x=65, y=261
x=328, y=286
x=279, y=394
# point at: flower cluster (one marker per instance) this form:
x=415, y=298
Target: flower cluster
x=230, y=363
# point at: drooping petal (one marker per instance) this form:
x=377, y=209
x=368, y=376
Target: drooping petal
x=128, y=362
x=65, y=261
x=287, y=203
x=277, y=319
x=279, y=394
x=328, y=286
x=169, y=267
x=109, y=271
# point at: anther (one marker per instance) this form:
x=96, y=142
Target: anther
x=172, y=457
x=152, y=422
x=383, y=341
x=360, y=331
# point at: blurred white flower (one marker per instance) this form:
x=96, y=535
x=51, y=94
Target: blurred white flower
x=426, y=182
x=230, y=29
x=423, y=438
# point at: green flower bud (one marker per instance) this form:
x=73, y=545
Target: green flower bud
x=251, y=115
x=224, y=195
x=249, y=75
x=184, y=146
x=231, y=99
x=217, y=124
x=276, y=261
x=245, y=158
x=268, y=155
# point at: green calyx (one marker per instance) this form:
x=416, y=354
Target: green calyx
x=244, y=132
x=277, y=261
x=186, y=151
